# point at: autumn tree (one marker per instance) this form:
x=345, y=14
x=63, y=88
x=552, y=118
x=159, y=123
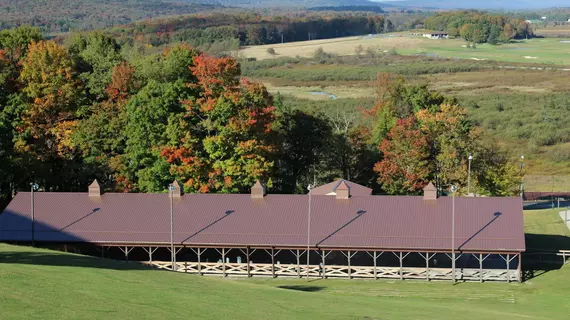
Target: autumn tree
x=95, y=56
x=221, y=142
x=405, y=167
x=432, y=143
x=51, y=89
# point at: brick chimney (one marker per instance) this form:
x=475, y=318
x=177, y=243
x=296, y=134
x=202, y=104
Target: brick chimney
x=257, y=191
x=430, y=192
x=94, y=189
x=342, y=190
x=177, y=192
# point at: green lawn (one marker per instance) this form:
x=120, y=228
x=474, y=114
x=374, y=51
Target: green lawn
x=549, y=50
x=43, y=284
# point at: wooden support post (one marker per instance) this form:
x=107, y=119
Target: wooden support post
x=519, y=269
x=508, y=266
x=103, y=252
x=224, y=261
x=149, y=254
x=298, y=264
x=349, y=267
x=247, y=261
x=375, y=271
x=126, y=254
x=323, y=268
x=199, y=262
x=272, y=262
x=427, y=266
x=481, y=267
x=401, y=266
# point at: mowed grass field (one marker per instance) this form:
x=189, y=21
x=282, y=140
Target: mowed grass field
x=548, y=50
x=44, y=284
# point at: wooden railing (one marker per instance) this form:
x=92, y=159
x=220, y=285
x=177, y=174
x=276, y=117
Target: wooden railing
x=337, y=271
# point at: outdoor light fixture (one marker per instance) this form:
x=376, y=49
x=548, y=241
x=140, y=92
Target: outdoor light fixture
x=453, y=190
x=309, y=187
x=172, y=252
x=34, y=187
x=521, y=174
x=469, y=175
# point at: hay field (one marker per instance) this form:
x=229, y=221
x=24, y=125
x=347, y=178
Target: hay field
x=550, y=31
x=545, y=51
x=340, y=46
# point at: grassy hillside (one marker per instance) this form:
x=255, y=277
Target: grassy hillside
x=42, y=284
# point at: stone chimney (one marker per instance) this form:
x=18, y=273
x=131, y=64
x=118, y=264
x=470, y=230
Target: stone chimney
x=177, y=192
x=430, y=192
x=257, y=191
x=94, y=189
x=342, y=191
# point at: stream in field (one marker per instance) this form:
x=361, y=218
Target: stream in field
x=332, y=96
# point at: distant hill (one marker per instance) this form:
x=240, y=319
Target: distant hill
x=481, y=4
x=445, y=4
x=65, y=15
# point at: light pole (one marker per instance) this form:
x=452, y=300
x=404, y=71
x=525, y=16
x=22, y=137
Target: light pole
x=34, y=186
x=309, y=230
x=469, y=175
x=453, y=190
x=521, y=174
x=172, y=252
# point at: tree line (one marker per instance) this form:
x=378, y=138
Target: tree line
x=479, y=27
x=136, y=121
x=253, y=28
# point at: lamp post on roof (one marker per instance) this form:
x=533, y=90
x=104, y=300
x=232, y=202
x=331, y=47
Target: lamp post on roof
x=521, y=174
x=172, y=252
x=34, y=187
x=310, y=187
x=453, y=190
x=469, y=175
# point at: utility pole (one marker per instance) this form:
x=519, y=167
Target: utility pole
x=33, y=187
x=469, y=176
x=521, y=174
x=309, y=230
x=453, y=190
x=172, y=252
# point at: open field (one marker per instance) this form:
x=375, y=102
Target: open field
x=44, y=284
x=550, y=51
x=554, y=32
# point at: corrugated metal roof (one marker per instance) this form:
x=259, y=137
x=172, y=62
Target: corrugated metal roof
x=376, y=222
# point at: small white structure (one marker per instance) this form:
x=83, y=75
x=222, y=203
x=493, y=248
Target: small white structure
x=436, y=35
x=543, y=18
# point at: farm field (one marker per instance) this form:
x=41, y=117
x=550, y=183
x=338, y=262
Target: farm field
x=548, y=50
x=44, y=284
x=519, y=102
x=553, y=31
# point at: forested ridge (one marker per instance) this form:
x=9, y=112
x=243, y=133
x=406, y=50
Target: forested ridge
x=91, y=108
x=77, y=15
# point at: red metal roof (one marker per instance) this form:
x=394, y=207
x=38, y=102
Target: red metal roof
x=375, y=222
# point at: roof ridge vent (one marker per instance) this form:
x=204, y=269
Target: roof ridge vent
x=257, y=191
x=430, y=192
x=94, y=189
x=342, y=190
